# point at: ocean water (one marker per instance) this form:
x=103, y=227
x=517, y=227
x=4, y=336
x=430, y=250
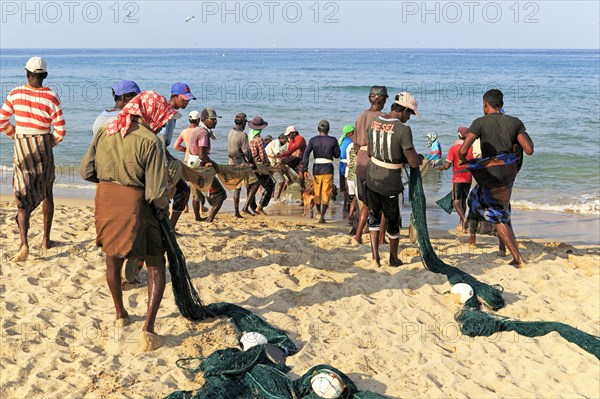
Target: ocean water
x=556, y=93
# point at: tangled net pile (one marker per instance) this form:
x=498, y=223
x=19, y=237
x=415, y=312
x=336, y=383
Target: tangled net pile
x=232, y=373
x=475, y=322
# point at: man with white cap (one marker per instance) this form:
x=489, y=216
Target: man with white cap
x=36, y=108
x=390, y=146
x=292, y=157
x=122, y=91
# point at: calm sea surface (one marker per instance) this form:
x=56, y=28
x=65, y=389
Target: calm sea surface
x=556, y=93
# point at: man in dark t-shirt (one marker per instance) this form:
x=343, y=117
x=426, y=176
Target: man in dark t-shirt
x=503, y=138
x=390, y=146
x=324, y=148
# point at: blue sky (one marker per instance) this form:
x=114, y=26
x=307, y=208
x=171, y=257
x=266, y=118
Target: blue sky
x=304, y=24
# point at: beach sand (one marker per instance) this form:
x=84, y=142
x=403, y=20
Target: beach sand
x=392, y=330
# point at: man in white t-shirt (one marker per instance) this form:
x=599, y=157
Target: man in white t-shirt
x=273, y=148
x=123, y=92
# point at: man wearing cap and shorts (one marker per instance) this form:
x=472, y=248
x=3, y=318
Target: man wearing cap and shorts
x=184, y=137
x=36, y=108
x=390, y=146
x=378, y=95
x=180, y=98
x=239, y=154
x=325, y=149
x=292, y=157
x=122, y=91
x=273, y=149
x=461, y=177
x=259, y=156
x=200, y=144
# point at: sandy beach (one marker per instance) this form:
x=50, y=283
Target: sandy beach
x=392, y=330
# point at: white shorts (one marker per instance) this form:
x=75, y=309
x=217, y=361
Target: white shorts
x=351, y=187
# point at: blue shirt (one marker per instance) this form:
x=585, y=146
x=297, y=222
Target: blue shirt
x=168, y=131
x=343, y=148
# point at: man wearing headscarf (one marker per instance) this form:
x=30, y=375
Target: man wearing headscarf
x=127, y=161
x=344, y=141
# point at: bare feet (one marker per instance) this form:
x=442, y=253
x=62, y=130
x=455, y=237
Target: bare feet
x=322, y=221
x=47, y=243
x=501, y=254
x=122, y=322
x=149, y=341
x=395, y=262
x=358, y=239
x=201, y=219
x=247, y=212
x=238, y=215
x=375, y=263
x=517, y=264
x=22, y=255
x=204, y=209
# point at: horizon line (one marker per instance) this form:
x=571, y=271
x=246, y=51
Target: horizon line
x=298, y=48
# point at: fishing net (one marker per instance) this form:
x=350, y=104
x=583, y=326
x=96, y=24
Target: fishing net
x=233, y=373
x=490, y=295
x=475, y=322
x=446, y=203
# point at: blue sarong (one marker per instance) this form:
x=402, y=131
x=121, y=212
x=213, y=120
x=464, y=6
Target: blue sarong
x=495, y=177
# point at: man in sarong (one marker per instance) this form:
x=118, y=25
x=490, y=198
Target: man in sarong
x=127, y=160
x=35, y=108
x=503, y=139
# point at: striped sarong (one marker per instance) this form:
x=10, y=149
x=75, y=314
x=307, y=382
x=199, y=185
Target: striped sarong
x=33, y=170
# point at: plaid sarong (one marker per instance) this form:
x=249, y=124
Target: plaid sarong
x=33, y=170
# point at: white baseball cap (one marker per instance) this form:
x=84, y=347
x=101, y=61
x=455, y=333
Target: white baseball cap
x=289, y=130
x=36, y=65
x=407, y=100
x=194, y=115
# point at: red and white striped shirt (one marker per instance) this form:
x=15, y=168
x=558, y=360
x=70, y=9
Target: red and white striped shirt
x=34, y=110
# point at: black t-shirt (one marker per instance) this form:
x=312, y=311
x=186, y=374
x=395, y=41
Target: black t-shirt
x=387, y=138
x=498, y=133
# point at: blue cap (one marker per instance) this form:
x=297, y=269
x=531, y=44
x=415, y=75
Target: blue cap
x=125, y=87
x=181, y=88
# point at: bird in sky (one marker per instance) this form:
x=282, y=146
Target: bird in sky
x=188, y=19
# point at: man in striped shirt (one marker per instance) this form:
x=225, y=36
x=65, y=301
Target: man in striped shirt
x=35, y=109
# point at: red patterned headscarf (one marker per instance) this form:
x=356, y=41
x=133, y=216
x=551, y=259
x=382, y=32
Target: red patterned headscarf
x=153, y=108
